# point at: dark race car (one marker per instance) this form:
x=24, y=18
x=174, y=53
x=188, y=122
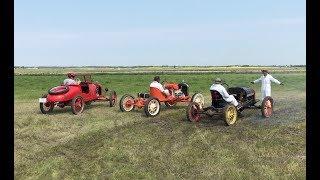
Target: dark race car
x=244, y=95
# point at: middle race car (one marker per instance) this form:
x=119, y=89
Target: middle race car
x=179, y=92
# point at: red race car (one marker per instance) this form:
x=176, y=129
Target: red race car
x=151, y=101
x=76, y=96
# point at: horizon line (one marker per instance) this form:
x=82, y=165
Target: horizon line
x=246, y=65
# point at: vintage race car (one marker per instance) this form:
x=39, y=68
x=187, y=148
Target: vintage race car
x=76, y=96
x=151, y=101
x=245, y=96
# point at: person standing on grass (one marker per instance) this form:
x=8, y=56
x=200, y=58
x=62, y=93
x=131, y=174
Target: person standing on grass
x=266, y=80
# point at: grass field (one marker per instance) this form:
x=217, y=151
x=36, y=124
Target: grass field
x=103, y=142
x=158, y=69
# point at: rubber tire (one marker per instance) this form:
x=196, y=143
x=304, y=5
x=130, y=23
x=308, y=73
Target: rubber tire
x=193, y=99
x=190, y=107
x=74, y=111
x=170, y=105
x=147, y=104
x=121, y=103
x=112, y=98
x=42, y=107
x=65, y=90
x=225, y=114
x=263, y=104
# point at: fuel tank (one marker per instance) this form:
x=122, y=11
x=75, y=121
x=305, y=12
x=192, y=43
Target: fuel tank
x=73, y=90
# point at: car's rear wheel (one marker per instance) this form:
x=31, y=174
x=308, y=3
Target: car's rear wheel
x=46, y=108
x=267, y=107
x=77, y=105
x=230, y=114
x=170, y=103
x=193, y=110
x=126, y=103
x=152, y=107
x=198, y=98
x=112, y=98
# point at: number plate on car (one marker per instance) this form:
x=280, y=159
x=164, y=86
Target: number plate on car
x=42, y=100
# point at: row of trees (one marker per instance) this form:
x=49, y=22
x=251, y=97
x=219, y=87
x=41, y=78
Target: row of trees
x=175, y=66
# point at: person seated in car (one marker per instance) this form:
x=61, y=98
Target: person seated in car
x=71, y=79
x=156, y=84
x=216, y=86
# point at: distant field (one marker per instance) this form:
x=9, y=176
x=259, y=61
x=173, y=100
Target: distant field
x=103, y=142
x=158, y=69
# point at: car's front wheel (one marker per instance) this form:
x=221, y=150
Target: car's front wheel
x=230, y=114
x=126, y=103
x=267, y=107
x=193, y=110
x=152, y=107
x=198, y=98
x=77, y=105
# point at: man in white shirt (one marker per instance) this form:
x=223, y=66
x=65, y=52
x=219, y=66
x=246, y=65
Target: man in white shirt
x=222, y=90
x=70, y=80
x=156, y=84
x=266, y=80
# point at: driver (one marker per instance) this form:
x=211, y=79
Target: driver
x=225, y=95
x=156, y=84
x=71, y=79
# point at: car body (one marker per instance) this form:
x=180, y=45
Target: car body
x=151, y=101
x=244, y=95
x=76, y=96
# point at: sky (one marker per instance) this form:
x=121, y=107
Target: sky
x=166, y=32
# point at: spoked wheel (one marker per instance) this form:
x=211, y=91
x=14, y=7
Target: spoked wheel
x=230, y=114
x=126, y=103
x=113, y=98
x=267, y=107
x=170, y=104
x=46, y=108
x=193, y=110
x=77, y=105
x=152, y=107
x=198, y=98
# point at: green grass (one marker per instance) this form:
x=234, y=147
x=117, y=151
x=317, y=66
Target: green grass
x=103, y=142
x=159, y=69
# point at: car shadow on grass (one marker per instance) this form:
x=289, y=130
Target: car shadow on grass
x=67, y=109
x=162, y=109
x=58, y=110
x=209, y=121
x=97, y=104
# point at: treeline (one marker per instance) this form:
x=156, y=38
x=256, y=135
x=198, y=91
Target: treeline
x=140, y=66
x=161, y=72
